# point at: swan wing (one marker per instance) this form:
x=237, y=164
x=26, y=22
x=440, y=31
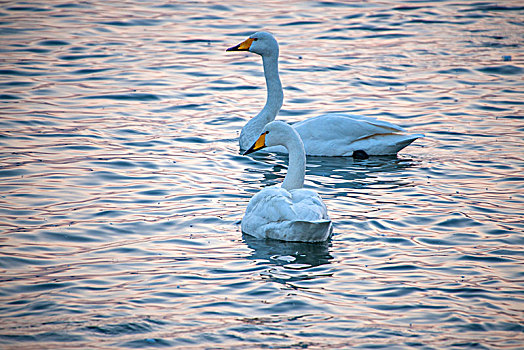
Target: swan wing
x=345, y=125
x=340, y=134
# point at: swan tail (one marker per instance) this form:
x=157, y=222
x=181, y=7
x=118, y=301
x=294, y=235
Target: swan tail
x=406, y=140
x=311, y=231
x=384, y=144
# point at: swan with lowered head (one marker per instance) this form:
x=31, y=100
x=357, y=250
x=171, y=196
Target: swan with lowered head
x=334, y=134
x=288, y=212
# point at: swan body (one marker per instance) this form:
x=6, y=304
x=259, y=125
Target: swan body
x=334, y=134
x=287, y=212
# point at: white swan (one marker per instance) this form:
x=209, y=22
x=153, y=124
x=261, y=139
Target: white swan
x=336, y=134
x=288, y=212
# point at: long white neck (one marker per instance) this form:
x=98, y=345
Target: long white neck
x=296, y=170
x=275, y=94
x=275, y=97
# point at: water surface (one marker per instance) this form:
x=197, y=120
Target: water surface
x=122, y=186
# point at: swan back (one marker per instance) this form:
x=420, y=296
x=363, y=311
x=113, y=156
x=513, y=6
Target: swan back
x=297, y=215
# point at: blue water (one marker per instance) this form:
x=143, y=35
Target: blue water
x=122, y=186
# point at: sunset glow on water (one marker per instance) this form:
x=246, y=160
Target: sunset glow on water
x=122, y=184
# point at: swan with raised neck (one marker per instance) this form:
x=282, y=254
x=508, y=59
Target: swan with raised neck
x=264, y=44
x=333, y=134
x=288, y=212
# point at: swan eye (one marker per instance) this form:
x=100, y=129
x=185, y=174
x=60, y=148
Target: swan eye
x=255, y=39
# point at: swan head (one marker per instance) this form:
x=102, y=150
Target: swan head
x=262, y=43
x=276, y=133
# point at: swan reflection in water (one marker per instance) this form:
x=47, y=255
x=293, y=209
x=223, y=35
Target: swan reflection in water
x=292, y=255
x=341, y=173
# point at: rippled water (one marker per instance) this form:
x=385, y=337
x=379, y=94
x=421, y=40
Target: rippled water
x=122, y=187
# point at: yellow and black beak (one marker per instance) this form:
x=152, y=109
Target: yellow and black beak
x=259, y=144
x=243, y=46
